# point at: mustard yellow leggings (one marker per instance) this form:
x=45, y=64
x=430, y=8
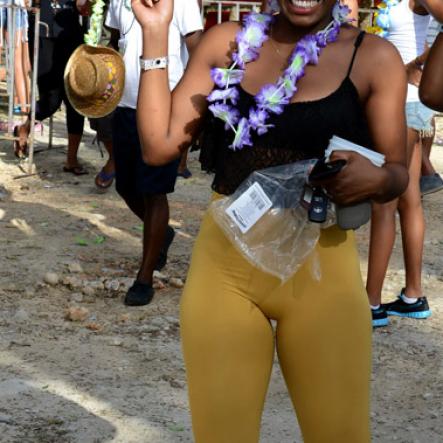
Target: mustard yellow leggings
x=323, y=341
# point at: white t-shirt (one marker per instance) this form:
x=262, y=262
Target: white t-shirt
x=407, y=32
x=186, y=19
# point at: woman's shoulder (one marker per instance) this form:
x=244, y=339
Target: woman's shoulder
x=374, y=52
x=218, y=42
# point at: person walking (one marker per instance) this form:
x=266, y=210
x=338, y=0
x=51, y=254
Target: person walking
x=407, y=29
x=144, y=188
x=278, y=88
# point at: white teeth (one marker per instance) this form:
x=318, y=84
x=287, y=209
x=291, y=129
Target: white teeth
x=306, y=4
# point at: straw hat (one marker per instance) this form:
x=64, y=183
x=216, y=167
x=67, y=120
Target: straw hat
x=94, y=80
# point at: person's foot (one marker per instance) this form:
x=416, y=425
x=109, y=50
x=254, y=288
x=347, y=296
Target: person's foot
x=103, y=180
x=21, y=143
x=379, y=317
x=163, y=256
x=419, y=309
x=139, y=294
x=185, y=173
x=430, y=184
x=75, y=169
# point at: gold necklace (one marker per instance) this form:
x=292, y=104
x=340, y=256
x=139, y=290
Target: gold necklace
x=285, y=57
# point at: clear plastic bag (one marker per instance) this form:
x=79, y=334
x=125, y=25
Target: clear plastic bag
x=266, y=220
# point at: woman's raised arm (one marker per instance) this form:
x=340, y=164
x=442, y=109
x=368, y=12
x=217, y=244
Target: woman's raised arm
x=168, y=122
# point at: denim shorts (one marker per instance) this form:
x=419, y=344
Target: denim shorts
x=419, y=117
x=21, y=18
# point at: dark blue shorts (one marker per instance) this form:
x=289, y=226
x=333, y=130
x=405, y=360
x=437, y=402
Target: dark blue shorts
x=132, y=175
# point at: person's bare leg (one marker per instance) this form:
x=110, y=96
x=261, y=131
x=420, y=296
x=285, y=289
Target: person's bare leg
x=155, y=225
x=380, y=248
x=26, y=63
x=183, y=170
x=73, y=145
x=413, y=226
x=426, y=165
x=383, y=236
x=19, y=79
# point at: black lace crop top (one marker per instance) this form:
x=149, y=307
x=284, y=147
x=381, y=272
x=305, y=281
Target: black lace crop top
x=301, y=132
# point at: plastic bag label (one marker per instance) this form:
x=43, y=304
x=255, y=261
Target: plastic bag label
x=247, y=210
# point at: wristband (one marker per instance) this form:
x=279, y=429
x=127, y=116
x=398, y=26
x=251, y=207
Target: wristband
x=153, y=63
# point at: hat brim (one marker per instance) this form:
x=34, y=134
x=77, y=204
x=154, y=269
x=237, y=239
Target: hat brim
x=96, y=107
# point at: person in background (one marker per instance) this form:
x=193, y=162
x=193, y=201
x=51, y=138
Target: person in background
x=431, y=86
x=63, y=35
x=103, y=126
x=408, y=24
x=144, y=188
x=430, y=180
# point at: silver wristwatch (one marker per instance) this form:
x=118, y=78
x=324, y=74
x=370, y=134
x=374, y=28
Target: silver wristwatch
x=153, y=63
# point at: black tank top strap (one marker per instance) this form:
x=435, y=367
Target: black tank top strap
x=357, y=44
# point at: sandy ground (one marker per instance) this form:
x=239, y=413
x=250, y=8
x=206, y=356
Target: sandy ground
x=117, y=375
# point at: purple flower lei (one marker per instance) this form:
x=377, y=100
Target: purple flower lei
x=271, y=99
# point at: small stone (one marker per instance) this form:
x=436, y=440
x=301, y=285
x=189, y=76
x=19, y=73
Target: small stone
x=88, y=291
x=160, y=276
x=75, y=268
x=157, y=321
x=76, y=297
x=176, y=282
x=97, y=285
x=112, y=285
x=75, y=313
x=51, y=278
x=125, y=283
x=158, y=285
x=427, y=395
x=21, y=316
x=93, y=326
x=29, y=292
x=116, y=341
x=72, y=282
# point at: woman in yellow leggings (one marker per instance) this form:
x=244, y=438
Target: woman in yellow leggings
x=323, y=341
x=356, y=90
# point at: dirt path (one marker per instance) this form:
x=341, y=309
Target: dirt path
x=117, y=375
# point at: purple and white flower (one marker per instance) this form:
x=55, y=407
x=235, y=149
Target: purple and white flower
x=242, y=135
x=272, y=98
x=224, y=95
x=340, y=13
x=309, y=49
x=224, y=77
x=226, y=113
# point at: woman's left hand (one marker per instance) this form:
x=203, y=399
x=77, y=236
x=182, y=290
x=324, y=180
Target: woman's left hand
x=358, y=180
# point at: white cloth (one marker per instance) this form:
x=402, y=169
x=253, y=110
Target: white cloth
x=433, y=31
x=186, y=19
x=407, y=32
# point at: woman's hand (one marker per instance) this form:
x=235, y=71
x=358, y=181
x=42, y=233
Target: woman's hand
x=414, y=73
x=151, y=13
x=359, y=180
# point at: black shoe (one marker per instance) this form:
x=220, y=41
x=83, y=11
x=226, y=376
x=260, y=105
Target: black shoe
x=419, y=309
x=163, y=256
x=379, y=317
x=139, y=294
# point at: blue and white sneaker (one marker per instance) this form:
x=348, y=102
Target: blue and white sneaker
x=419, y=309
x=379, y=317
